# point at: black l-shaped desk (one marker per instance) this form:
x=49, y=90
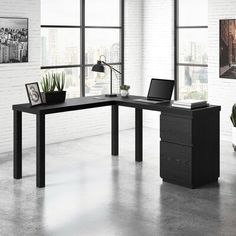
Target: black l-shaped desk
x=189, y=147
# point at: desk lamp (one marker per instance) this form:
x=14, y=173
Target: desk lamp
x=99, y=67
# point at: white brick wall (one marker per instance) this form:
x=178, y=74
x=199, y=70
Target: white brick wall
x=133, y=44
x=158, y=48
x=70, y=125
x=14, y=76
x=221, y=91
x=148, y=53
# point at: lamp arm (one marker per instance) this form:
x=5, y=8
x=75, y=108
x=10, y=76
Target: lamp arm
x=112, y=68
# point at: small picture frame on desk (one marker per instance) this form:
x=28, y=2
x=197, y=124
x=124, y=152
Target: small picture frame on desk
x=34, y=94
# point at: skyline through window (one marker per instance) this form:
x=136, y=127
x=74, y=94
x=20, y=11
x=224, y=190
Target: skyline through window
x=73, y=38
x=191, y=49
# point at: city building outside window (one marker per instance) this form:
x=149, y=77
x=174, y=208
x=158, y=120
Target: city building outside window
x=74, y=34
x=191, y=20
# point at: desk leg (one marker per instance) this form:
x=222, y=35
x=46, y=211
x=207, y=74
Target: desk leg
x=40, y=151
x=17, y=161
x=138, y=134
x=114, y=130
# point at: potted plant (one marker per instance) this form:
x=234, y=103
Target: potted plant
x=49, y=83
x=124, y=90
x=233, y=119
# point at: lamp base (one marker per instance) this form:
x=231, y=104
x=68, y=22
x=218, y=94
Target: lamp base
x=111, y=95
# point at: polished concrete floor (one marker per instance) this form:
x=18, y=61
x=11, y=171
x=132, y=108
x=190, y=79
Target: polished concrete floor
x=90, y=193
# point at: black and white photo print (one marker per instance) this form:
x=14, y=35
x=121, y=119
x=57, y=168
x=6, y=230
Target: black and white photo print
x=13, y=40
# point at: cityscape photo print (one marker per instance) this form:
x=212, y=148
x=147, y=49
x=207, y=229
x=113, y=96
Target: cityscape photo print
x=13, y=40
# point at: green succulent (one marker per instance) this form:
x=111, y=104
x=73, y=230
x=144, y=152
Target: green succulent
x=125, y=87
x=60, y=81
x=233, y=115
x=51, y=81
x=48, y=83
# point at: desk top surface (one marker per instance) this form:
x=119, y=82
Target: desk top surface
x=99, y=101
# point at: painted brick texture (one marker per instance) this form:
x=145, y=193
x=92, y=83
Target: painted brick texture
x=63, y=126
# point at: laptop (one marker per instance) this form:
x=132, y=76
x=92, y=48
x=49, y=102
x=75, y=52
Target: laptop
x=160, y=90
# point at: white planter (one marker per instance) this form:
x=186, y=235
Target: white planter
x=124, y=93
x=234, y=138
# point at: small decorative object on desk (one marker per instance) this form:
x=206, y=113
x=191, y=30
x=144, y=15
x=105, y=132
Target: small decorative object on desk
x=190, y=103
x=34, y=94
x=124, y=90
x=233, y=120
x=49, y=83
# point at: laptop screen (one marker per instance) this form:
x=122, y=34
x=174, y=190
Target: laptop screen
x=160, y=89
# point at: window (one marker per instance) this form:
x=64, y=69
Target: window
x=191, y=59
x=74, y=33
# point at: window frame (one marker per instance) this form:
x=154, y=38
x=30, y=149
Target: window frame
x=82, y=27
x=177, y=64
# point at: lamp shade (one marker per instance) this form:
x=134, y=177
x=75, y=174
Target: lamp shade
x=98, y=67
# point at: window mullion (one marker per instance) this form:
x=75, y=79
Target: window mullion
x=82, y=48
x=122, y=39
x=176, y=71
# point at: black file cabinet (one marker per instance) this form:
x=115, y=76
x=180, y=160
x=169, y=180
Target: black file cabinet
x=189, y=148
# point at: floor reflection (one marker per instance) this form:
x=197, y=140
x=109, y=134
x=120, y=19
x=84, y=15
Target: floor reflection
x=94, y=194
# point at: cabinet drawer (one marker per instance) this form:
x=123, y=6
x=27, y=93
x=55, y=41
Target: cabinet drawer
x=176, y=129
x=176, y=162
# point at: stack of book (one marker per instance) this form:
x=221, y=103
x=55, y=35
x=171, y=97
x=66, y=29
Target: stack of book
x=190, y=103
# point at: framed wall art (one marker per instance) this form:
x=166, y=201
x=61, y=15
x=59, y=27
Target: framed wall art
x=227, y=49
x=13, y=40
